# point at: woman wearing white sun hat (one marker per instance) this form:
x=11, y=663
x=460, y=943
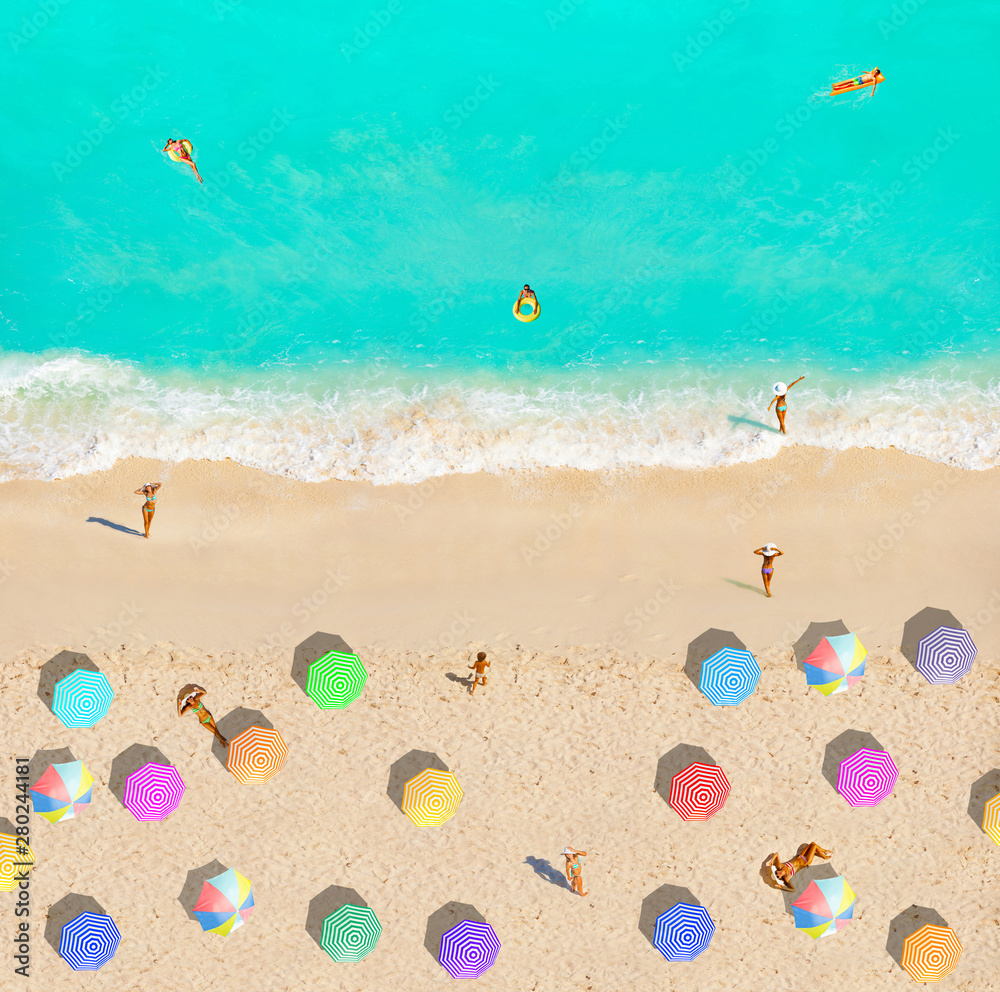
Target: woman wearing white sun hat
x=779, y=397
x=770, y=552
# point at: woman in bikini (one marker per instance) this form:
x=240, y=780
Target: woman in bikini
x=574, y=868
x=780, y=391
x=181, y=148
x=189, y=698
x=782, y=872
x=769, y=553
x=149, y=507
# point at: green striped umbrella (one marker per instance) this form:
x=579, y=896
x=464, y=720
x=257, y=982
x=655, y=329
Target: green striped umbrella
x=350, y=933
x=335, y=680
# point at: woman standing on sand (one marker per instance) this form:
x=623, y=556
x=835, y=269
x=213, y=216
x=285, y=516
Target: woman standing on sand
x=149, y=507
x=780, y=389
x=769, y=552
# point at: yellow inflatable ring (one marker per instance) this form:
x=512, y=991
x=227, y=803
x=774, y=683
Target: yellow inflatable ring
x=187, y=147
x=527, y=301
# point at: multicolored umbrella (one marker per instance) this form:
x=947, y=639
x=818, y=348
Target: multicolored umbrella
x=683, y=932
x=62, y=791
x=256, y=755
x=335, y=680
x=153, y=792
x=991, y=819
x=225, y=902
x=945, y=655
x=89, y=942
x=930, y=953
x=826, y=906
x=16, y=860
x=836, y=664
x=81, y=698
x=432, y=797
x=729, y=676
x=468, y=949
x=867, y=777
x=350, y=933
x=699, y=791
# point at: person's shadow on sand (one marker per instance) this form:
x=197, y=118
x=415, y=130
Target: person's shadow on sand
x=736, y=420
x=114, y=526
x=543, y=869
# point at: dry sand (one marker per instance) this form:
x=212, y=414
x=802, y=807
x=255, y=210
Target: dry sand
x=587, y=591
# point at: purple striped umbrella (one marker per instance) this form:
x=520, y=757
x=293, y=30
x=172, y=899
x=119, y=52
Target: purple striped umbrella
x=468, y=949
x=945, y=655
x=153, y=792
x=867, y=777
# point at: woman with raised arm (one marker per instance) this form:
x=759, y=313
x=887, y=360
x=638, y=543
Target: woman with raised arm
x=780, y=389
x=149, y=507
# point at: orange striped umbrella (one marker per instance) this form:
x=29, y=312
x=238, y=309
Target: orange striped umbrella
x=431, y=797
x=256, y=755
x=930, y=953
x=991, y=819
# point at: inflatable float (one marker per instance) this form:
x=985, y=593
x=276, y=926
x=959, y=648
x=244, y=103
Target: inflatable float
x=187, y=147
x=849, y=85
x=527, y=308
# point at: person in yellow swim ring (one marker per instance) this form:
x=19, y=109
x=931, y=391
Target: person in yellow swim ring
x=527, y=294
x=179, y=149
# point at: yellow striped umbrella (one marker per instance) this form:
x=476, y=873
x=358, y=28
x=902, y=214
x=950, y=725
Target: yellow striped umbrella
x=16, y=860
x=991, y=819
x=431, y=797
x=256, y=755
x=931, y=953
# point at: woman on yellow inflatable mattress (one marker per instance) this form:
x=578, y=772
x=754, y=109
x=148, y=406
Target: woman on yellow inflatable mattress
x=179, y=149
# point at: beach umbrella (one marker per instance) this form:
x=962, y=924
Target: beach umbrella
x=432, y=797
x=836, y=664
x=930, y=953
x=350, y=933
x=991, y=819
x=16, y=859
x=62, y=791
x=89, y=942
x=81, y=698
x=335, y=680
x=256, y=755
x=945, y=655
x=729, y=676
x=225, y=903
x=153, y=792
x=699, y=791
x=683, y=932
x=867, y=777
x=468, y=949
x=826, y=906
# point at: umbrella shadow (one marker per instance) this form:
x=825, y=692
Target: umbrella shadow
x=403, y=769
x=737, y=419
x=983, y=790
x=843, y=746
x=63, y=664
x=193, y=883
x=233, y=724
x=313, y=647
x=327, y=902
x=130, y=760
x=704, y=646
x=801, y=879
x=41, y=759
x=544, y=869
x=6, y=827
x=746, y=585
x=66, y=909
x=811, y=637
x=906, y=923
x=657, y=903
x=443, y=919
x=920, y=625
x=674, y=761
x=121, y=528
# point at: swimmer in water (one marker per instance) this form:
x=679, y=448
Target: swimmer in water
x=781, y=391
x=526, y=294
x=782, y=872
x=874, y=78
x=769, y=552
x=181, y=148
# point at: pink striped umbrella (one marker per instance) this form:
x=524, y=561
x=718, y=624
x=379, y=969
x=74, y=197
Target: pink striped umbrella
x=153, y=792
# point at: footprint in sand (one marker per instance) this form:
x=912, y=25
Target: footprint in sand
x=589, y=598
x=628, y=578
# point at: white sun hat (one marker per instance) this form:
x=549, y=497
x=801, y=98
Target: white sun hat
x=770, y=546
x=780, y=389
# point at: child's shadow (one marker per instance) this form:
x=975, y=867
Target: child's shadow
x=543, y=869
x=463, y=680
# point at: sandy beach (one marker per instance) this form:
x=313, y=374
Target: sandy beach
x=587, y=591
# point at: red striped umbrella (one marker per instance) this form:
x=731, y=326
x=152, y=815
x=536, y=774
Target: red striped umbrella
x=699, y=791
x=256, y=755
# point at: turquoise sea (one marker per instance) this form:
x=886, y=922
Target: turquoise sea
x=698, y=217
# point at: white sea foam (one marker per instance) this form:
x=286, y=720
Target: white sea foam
x=73, y=414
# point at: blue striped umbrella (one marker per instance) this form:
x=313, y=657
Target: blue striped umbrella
x=89, y=942
x=945, y=655
x=729, y=676
x=82, y=698
x=683, y=932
